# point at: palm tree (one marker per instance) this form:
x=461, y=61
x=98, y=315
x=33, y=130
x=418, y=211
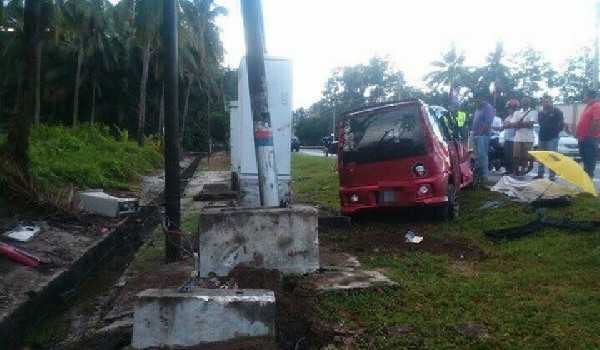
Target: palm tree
x=18, y=138
x=148, y=18
x=201, y=50
x=451, y=71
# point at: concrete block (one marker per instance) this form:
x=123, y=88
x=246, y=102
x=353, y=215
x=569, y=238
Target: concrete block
x=283, y=239
x=166, y=318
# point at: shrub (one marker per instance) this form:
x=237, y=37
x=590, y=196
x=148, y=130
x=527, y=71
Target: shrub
x=89, y=157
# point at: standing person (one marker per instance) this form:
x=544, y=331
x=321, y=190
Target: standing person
x=522, y=121
x=509, y=135
x=552, y=123
x=482, y=127
x=588, y=132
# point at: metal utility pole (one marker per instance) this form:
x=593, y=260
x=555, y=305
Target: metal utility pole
x=170, y=79
x=257, y=82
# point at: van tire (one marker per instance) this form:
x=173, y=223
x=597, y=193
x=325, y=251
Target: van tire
x=450, y=210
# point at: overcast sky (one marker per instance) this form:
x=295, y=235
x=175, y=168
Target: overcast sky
x=320, y=35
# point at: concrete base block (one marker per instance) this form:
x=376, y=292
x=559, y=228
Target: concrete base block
x=283, y=239
x=165, y=318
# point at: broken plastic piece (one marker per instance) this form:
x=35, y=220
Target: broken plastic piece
x=411, y=237
x=19, y=255
x=23, y=233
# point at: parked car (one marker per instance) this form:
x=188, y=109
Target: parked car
x=295, y=144
x=567, y=143
x=398, y=155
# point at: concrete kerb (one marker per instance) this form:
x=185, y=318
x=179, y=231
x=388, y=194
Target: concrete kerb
x=204, y=316
x=282, y=239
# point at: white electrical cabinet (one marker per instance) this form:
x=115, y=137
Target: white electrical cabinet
x=279, y=89
x=234, y=135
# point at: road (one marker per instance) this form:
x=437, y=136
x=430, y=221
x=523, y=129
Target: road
x=314, y=152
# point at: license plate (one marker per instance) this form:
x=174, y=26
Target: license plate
x=387, y=196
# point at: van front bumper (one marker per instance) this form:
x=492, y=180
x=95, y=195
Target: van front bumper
x=400, y=194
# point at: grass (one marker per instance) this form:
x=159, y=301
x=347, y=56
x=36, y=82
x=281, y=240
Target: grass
x=88, y=157
x=537, y=292
x=315, y=180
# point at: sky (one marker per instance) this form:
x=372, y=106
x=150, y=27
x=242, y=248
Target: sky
x=320, y=35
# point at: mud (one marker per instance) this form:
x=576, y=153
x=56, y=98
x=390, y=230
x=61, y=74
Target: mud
x=388, y=239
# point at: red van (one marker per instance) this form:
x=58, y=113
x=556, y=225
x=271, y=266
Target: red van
x=401, y=154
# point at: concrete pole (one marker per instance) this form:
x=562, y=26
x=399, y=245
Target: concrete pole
x=172, y=181
x=257, y=82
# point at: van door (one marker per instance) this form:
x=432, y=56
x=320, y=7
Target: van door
x=456, y=149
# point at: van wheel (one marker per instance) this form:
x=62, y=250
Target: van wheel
x=448, y=211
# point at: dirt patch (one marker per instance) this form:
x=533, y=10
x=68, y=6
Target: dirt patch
x=216, y=162
x=298, y=326
x=388, y=239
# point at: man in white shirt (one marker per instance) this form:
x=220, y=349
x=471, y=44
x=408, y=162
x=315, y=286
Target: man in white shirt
x=522, y=121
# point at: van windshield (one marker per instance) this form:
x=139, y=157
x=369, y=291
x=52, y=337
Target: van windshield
x=384, y=135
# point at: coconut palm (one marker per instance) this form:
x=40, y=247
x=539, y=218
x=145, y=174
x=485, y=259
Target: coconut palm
x=450, y=72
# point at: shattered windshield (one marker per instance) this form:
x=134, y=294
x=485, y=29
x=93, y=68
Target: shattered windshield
x=385, y=135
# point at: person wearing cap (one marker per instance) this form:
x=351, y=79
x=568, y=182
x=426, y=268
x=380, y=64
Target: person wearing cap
x=552, y=123
x=482, y=129
x=588, y=132
x=509, y=135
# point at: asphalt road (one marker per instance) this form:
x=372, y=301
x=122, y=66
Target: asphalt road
x=314, y=152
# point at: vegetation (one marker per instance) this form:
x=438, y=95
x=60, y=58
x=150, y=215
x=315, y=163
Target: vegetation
x=90, y=157
x=501, y=77
x=536, y=292
x=100, y=62
x=315, y=181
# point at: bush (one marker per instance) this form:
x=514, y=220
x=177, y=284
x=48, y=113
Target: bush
x=89, y=157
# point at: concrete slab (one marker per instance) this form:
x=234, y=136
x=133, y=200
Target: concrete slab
x=204, y=316
x=282, y=239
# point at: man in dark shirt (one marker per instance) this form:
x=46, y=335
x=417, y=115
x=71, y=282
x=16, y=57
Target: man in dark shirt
x=551, y=124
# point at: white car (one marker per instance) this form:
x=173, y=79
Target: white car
x=567, y=143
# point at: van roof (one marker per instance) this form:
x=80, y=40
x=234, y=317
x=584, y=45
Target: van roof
x=380, y=106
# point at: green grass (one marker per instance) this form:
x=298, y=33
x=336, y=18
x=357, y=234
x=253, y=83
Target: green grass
x=315, y=180
x=537, y=292
x=88, y=156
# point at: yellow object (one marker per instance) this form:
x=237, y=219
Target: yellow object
x=566, y=168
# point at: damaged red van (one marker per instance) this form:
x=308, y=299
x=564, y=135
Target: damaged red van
x=401, y=154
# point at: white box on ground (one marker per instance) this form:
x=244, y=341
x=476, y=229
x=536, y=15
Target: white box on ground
x=282, y=239
x=166, y=318
x=101, y=203
x=279, y=89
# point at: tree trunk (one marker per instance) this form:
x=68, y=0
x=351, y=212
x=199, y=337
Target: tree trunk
x=142, y=102
x=93, y=113
x=161, y=113
x=208, y=125
x=77, y=85
x=18, y=96
x=186, y=105
x=18, y=136
x=38, y=85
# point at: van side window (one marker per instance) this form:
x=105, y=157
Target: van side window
x=434, y=125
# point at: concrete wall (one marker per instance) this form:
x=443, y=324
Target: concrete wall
x=284, y=239
x=165, y=318
x=572, y=113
